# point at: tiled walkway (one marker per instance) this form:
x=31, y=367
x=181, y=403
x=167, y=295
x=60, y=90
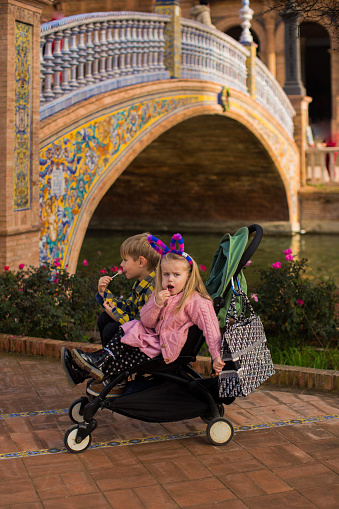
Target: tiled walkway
x=279, y=466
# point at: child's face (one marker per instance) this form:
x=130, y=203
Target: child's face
x=131, y=268
x=174, y=275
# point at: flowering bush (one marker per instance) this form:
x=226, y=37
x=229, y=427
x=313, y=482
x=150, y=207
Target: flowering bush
x=48, y=302
x=292, y=307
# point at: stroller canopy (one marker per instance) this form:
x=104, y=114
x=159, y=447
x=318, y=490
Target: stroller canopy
x=225, y=263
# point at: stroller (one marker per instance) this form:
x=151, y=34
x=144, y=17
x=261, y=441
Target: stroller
x=161, y=392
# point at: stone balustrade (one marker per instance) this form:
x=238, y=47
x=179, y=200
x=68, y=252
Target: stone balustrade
x=88, y=54
x=208, y=54
x=322, y=165
x=272, y=97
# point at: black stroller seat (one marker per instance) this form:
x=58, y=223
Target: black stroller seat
x=161, y=392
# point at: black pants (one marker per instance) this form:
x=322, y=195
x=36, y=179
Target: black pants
x=107, y=328
x=122, y=356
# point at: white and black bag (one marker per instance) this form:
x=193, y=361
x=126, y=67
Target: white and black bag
x=244, y=350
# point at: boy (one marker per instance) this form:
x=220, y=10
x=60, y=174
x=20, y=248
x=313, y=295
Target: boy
x=138, y=261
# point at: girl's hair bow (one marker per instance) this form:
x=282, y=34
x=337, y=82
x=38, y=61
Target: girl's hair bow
x=162, y=249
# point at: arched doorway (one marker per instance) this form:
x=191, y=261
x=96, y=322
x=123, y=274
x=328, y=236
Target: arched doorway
x=316, y=77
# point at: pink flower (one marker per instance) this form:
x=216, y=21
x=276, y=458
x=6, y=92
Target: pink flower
x=6, y=267
x=21, y=266
x=66, y=266
x=115, y=269
x=276, y=265
x=102, y=271
x=300, y=302
x=85, y=262
x=57, y=263
x=56, y=281
x=202, y=268
x=287, y=252
x=254, y=296
x=15, y=319
x=248, y=263
x=289, y=257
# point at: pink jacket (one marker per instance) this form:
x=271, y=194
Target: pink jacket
x=160, y=329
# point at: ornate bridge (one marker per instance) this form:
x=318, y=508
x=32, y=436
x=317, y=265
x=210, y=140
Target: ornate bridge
x=111, y=83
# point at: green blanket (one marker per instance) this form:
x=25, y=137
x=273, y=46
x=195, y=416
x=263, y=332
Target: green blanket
x=224, y=265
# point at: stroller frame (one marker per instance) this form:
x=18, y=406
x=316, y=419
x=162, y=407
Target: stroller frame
x=198, y=395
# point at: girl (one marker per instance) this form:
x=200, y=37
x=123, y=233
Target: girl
x=179, y=301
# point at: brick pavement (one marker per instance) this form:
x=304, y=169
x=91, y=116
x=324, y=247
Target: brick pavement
x=293, y=466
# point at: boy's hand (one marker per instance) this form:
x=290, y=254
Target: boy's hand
x=218, y=364
x=108, y=307
x=103, y=283
x=162, y=296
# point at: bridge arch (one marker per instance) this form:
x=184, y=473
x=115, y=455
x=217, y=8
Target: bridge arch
x=86, y=148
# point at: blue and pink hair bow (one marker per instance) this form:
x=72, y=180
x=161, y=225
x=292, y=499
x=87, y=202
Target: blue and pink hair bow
x=162, y=249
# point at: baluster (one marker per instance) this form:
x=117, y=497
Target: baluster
x=134, y=46
x=42, y=69
x=103, y=52
x=96, y=59
x=162, y=46
x=110, y=49
x=151, y=46
x=116, y=48
x=49, y=65
x=74, y=58
x=66, y=61
x=82, y=56
x=140, y=46
x=156, y=46
x=57, y=64
x=146, y=46
x=89, y=54
x=123, y=47
x=128, y=66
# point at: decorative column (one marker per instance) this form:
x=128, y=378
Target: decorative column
x=246, y=14
x=172, y=35
x=293, y=84
x=19, y=126
x=270, y=31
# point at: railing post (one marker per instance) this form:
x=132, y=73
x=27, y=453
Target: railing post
x=246, y=39
x=172, y=35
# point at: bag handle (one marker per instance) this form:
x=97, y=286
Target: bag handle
x=246, y=305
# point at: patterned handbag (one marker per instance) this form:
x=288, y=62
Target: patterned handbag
x=244, y=350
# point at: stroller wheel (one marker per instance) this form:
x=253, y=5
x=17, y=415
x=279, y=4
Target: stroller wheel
x=76, y=410
x=207, y=418
x=70, y=440
x=219, y=431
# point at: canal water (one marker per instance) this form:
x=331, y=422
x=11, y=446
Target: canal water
x=320, y=250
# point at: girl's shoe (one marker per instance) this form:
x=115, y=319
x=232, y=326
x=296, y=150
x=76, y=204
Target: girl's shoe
x=74, y=374
x=91, y=362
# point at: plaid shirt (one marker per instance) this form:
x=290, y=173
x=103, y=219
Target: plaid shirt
x=128, y=309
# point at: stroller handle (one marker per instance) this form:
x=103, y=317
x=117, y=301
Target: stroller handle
x=258, y=233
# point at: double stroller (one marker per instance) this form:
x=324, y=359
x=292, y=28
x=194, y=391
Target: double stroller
x=159, y=392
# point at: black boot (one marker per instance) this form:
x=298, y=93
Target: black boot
x=91, y=362
x=74, y=374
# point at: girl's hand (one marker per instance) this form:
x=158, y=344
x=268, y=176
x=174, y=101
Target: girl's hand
x=161, y=297
x=218, y=364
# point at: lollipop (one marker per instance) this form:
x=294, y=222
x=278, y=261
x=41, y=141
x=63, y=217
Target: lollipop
x=119, y=272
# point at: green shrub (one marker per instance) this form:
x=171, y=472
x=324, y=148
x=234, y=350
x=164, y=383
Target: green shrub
x=294, y=308
x=48, y=302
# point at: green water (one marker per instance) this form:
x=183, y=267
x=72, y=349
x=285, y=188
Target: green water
x=320, y=250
